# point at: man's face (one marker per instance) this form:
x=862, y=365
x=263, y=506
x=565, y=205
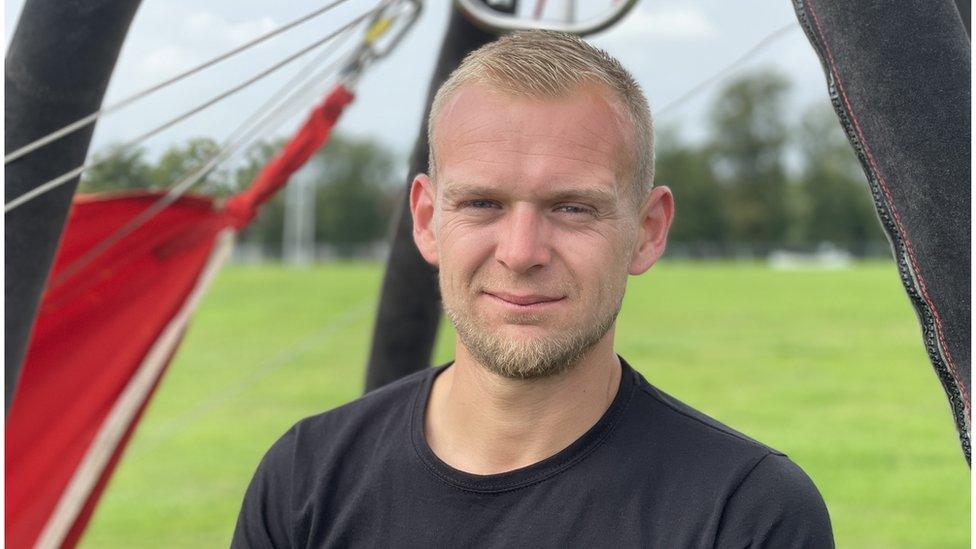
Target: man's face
x=533, y=225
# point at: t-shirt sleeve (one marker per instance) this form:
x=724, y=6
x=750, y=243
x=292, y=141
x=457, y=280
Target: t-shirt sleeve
x=776, y=505
x=264, y=519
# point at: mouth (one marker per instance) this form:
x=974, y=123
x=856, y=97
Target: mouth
x=524, y=301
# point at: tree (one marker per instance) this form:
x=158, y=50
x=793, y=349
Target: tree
x=838, y=202
x=182, y=161
x=117, y=170
x=355, y=186
x=353, y=200
x=749, y=140
x=267, y=229
x=700, y=222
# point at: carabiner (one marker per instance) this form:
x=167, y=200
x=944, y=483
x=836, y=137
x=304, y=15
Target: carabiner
x=405, y=12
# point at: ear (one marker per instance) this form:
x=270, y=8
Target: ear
x=422, y=201
x=655, y=220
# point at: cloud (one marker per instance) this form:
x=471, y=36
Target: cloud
x=165, y=60
x=199, y=35
x=210, y=26
x=670, y=23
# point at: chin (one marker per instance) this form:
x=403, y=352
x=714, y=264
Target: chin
x=526, y=352
x=528, y=362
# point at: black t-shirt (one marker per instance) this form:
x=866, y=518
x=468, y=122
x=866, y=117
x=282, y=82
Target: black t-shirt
x=652, y=472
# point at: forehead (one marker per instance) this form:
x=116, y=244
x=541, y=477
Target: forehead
x=490, y=135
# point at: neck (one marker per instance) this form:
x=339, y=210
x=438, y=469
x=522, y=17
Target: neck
x=483, y=423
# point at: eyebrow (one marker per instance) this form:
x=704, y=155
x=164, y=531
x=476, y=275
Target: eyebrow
x=587, y=194
x=597, y=195
x=454, y=191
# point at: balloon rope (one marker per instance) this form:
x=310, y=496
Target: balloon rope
x=698, y=88
x=91, y=118
x=68, y=176
x=234, y=143
x=284, y=357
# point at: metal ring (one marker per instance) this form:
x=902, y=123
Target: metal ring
x=499, y=23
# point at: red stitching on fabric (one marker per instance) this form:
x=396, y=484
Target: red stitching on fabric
x=891, y=205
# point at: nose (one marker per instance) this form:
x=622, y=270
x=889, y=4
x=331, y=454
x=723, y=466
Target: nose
x=523, y=241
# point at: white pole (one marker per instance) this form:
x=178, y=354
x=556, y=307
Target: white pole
x=299, y=234
x=569, y=15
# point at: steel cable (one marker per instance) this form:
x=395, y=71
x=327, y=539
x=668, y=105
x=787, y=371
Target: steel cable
x=718, y=76
x=232, y=144
x=64, y=178
x=91, y=118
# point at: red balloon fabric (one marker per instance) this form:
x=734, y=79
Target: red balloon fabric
x=111, y=317
x=93, y=333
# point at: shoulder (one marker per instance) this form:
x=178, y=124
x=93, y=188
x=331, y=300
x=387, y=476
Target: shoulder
x=776, y=505
x=761, y=497
x=775, y=478
x=313, y=451
x=364, y=420
x=685, y=425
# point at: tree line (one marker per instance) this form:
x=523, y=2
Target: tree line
x=355, y=187
x=756, y=183
x=737, y=194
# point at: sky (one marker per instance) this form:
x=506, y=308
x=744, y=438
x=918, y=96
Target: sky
x=669, y=45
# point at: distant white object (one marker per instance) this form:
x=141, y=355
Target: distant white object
x=247, y=253
x=827, y=256
x=299, y=232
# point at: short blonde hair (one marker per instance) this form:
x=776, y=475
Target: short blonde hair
x=540, y=64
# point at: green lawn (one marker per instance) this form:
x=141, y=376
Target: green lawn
x=827, y=366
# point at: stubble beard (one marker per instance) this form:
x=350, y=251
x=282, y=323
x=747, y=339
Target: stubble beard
x=528, y=359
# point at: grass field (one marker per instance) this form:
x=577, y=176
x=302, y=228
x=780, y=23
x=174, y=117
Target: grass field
x=827, y=366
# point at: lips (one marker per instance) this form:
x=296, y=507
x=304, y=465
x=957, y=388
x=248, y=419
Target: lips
x=524, y=300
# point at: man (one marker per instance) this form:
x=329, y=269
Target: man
x=538, y=206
